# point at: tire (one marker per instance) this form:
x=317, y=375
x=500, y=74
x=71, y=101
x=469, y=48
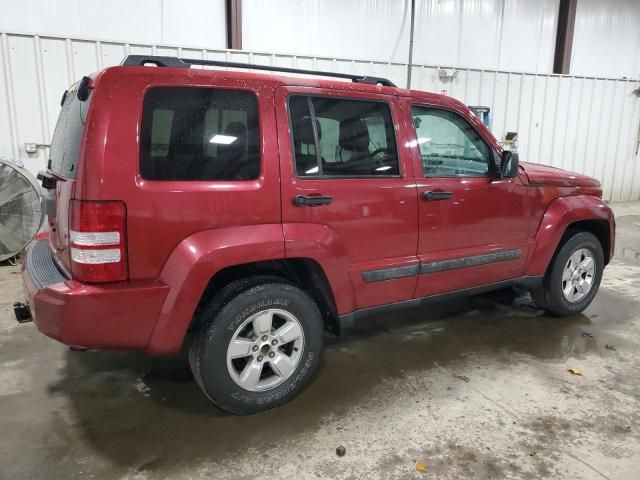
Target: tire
x=551, y=295
x=234, y=384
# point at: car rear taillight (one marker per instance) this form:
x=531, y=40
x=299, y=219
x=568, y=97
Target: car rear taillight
x=97, y=237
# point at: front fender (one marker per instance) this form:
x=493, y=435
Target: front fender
x=560, y=214
x=194, y=262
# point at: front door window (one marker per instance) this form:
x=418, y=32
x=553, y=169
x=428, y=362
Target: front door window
x=449, y=146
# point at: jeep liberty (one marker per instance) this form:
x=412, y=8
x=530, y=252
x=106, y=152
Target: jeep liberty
x=243, y=214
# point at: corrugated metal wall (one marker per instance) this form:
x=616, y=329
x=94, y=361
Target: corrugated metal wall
x=584, y=124
x=513, y=35
x=589, y=125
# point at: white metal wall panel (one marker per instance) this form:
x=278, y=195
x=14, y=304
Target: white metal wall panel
x=27, y=93
x=193, y=23
x=585, y=124
x=607, y=38
x=372, y=29
x=479, y=29
x=437, y=32
x=8, y=137
x=631, y=157
x=489, y=34
x=528, y=35
x=510, y=35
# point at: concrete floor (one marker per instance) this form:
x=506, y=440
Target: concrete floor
x=476, y=389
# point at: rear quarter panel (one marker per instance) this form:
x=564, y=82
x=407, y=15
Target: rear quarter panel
x=194, y=262
x=161, y=214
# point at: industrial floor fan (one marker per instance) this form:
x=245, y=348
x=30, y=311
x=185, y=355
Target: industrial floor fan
x=21, y=211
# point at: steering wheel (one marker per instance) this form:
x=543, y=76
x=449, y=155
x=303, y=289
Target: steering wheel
x=378, y=151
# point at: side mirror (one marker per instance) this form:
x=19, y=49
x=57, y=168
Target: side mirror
x=509, y=164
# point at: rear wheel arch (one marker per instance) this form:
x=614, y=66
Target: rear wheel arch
x=304, y=273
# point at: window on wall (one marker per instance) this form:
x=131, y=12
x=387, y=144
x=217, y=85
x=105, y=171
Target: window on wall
x=199, y=134
x=342, y=138
x=449, y=145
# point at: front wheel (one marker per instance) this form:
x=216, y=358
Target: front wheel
x=573, y=278
x=259, y=349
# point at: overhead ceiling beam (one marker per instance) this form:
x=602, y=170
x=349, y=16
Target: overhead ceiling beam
x=564, y=36
x=234, y=24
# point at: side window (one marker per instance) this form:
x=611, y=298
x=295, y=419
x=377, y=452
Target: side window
x=199, y=133
x=342, y=138
x=449, y=146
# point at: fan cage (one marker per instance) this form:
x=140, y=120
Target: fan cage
x=21, y=212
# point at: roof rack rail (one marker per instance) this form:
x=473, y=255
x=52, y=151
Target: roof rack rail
x=175, y=62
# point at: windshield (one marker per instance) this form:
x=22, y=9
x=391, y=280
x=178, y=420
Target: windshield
x=65, y=146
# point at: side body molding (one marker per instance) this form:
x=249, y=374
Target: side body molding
x=191, y=265
x=560, y=214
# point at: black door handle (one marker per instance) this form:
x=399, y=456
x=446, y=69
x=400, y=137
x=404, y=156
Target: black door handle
x=312, y=200
x=436, y=195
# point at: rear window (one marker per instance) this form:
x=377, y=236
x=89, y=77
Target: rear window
x=67, y=136
x=199, y=134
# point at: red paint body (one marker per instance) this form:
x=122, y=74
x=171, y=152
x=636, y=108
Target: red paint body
x=181, y=233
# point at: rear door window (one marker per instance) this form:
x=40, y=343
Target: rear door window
x=199, y=134
x=336, y=137
x=67, y=136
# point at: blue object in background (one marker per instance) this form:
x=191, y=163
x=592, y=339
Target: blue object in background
x=483, y=113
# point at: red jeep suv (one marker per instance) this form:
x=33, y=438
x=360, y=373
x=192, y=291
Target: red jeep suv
x=242, y=214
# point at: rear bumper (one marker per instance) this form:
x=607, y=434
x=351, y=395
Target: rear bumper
x=108, y=316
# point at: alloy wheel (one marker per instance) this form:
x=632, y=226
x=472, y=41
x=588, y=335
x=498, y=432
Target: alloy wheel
x=578, y=275
x=265, y=350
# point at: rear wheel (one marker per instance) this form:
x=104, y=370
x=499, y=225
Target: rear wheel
x=573, y=278
x=258, y=350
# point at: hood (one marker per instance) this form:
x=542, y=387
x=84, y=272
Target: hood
x=546, y=175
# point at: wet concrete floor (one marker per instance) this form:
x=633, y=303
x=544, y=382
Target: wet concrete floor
x=473, y=389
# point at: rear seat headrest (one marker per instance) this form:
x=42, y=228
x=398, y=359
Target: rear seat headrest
x=354, y=135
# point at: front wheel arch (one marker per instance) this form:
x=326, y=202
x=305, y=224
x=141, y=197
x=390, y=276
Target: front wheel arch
x=565, y=216
x=599, y=228
x=548, y=296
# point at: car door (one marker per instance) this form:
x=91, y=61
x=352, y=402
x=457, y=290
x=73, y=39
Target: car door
x=473, y=225
x=349, y=196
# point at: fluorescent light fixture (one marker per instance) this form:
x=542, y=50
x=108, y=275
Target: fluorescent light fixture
x=312, y=170
x=383, y=169
x=223, y=139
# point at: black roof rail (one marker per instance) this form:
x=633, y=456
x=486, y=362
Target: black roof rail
x=175, y=62
x=158, y=61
